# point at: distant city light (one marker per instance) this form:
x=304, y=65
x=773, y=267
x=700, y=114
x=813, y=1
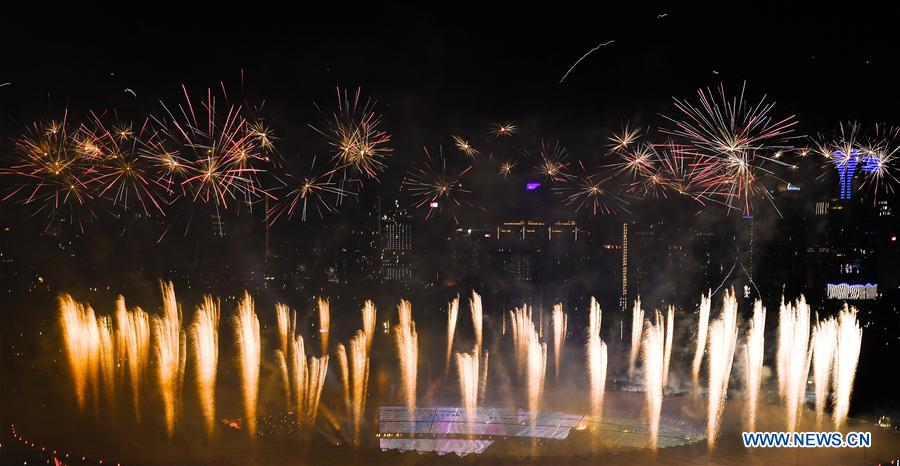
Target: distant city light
x=791, y=187
x=848, y=291
x=532, y=185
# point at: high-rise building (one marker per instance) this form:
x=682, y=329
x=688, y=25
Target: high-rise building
x=395, y=232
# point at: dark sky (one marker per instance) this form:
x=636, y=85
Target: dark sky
x=448, y=69
x=442, y=66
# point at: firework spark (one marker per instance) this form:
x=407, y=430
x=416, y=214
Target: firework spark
x=849, y=341
x=503, y=129
x=408, y=353
x=722, y=343
x=360, y=147
x=754, y=350
x=464, y=146
x=702, y=327
x=433, y=186
x=169, y=346
x=452, y=312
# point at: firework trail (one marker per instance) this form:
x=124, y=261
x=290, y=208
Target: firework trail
x=169, y=346
x=793, y=357
x=670, y=334
x=477, y=319
x=467, y=370
x=133, y=341
x=204, y=334
x=452, y=311
x=702, y=327
x=849, y=341
x=653, y=352
x=368, y=322
x=637, y=325
x=247, y=342
x=722, y=343
x=754, y=350
x=596, y=360
x=560, y=319
x=408, y=353
x=324, y=322
x=604, y=44
x=824, y=340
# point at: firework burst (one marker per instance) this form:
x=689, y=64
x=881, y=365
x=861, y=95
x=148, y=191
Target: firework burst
x=433, y=186
x=359, y=145
x=464, y=146
x=503, y=129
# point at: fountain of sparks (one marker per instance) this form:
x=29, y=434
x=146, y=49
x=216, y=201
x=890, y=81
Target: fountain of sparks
x=407, y=352
x=560, y=321
x=307, y=382
x=247, y=342
x=849, y=341
x=79, y=329
x=287, y=326
x=204, y=334
x=477, y=319
x=452, y=312
x=722, y=343
x=324, y=323
x=637, y=326
x=535, y=369
x=169, y=347
x=133, y=348
x=596, y=360
x=653, y=352
x=670, y=335
x=754, y=350
x=468, y=372
x=793, y=357
x=824, y=340
x=106, y=356
x=354, y=369
x=368, y=322
x=702, y=328
x=521, y=322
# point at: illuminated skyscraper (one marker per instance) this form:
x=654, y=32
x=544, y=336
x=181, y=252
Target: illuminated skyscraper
x=396, y=243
